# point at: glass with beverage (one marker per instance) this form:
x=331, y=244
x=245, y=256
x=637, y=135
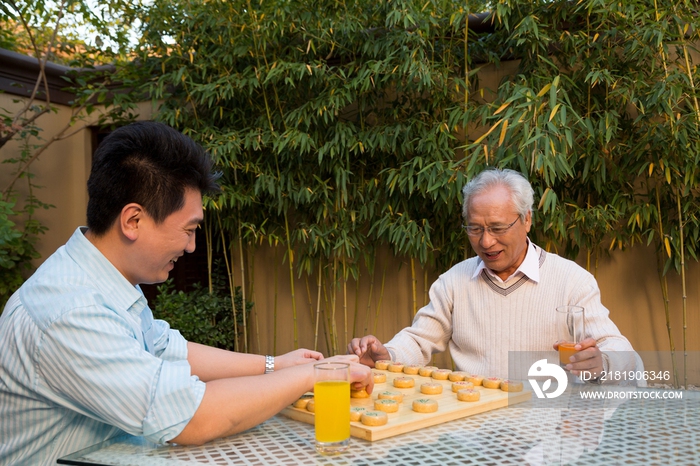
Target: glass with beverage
x=571, y=328
x=332, y=412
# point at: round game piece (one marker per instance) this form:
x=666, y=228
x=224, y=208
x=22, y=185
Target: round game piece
x=511, y=386
x=468, y=394
x=425, y=371
x=311, y=406
x=378, y=377
x=359, y=393
x=461, y=385
x=389, y=395
x=432, y=388
x=457, y=376
x=491, y=382
x=404, y=382
x=411, y=369
x=374, y=418
x=382, y=364
x=386, y=405
x=303, y=401
x=440, y=374
x=425, y=405
x=395, y=367
x=477, y=380
x=356, y=412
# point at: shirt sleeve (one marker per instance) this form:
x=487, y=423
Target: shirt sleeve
x=430, y=331
x=169, y=344
x=90, y=361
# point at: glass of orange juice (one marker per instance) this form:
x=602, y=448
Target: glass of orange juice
x=571, y=328
x=332, y=412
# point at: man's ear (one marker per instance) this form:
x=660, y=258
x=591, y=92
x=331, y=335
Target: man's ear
x=528, y=221
x=130, y=219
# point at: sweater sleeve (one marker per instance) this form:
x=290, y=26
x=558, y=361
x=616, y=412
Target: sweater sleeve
x=617, y=350
x=431, y=329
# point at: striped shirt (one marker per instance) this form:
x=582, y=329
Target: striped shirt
x=83, y=359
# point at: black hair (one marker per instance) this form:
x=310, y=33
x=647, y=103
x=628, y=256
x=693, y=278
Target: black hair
x=147, y=163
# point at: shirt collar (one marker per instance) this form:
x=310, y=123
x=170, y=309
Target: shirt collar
x=116, y=288
x=530, y=266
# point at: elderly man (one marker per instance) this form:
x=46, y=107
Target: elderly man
x=82, y=357
x=505, y=298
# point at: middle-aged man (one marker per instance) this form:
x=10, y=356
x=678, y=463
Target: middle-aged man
x=81, y=357
x=505, y=298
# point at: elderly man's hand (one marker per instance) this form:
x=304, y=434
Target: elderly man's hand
x=588, y=358
x=368, y=349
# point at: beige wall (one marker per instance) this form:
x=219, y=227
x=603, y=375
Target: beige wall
x=61, y=172
x=628, y=282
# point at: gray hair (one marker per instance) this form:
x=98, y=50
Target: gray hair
x=522, y=194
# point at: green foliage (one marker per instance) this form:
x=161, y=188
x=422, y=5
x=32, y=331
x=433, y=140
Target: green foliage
x=201, y=316
x=341, y=126
x=36, y=28
x=16, y=251
x=327, y=119
x=603, y=117
x=337, y=124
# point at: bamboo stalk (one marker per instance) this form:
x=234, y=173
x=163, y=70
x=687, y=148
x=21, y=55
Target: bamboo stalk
x=243, y=293
x=664, y=292
x=466, y=61
x=274, y=312
x=231, y=282
x=290, y=256
x=318, y=302
x=253, y=299
x=369, y=303
x=345, y=299
x=426, y=287
x=326, y=317
x=683, y=284
x=208, y=227
x=414, y=285
x=309, y=299
x=661, y=237
x=357, y=305
x=334, y=295
x=381, y=297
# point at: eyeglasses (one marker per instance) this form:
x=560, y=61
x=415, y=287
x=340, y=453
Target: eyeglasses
x=497, y=230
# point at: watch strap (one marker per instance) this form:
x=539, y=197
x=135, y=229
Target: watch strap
x=269, y=364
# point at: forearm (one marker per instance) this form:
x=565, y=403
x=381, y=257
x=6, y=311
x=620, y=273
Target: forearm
x=430, y=331
x=210, y=363
x=233, y=405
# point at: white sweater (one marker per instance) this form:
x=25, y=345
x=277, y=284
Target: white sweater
x=481, y=319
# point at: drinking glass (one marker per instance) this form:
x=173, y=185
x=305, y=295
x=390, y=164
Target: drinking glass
x=571, y=329
x=332, y=411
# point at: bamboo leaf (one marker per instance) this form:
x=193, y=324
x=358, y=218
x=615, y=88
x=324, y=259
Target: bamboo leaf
x=504, y=128
x=544, y=90
x=554, y=111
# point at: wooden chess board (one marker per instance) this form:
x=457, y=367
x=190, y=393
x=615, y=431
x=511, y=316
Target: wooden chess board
x=407, y=420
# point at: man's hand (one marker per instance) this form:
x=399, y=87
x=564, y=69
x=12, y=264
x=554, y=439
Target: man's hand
x=368, y=349
x=297, y=357
x=588, y=358
x=360, y=375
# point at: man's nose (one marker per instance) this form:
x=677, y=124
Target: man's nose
x=487, y=239
x=191, y=244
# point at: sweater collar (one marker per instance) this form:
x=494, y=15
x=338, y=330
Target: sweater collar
x=530, y=267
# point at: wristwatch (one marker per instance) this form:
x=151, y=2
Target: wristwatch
x=269, y=364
